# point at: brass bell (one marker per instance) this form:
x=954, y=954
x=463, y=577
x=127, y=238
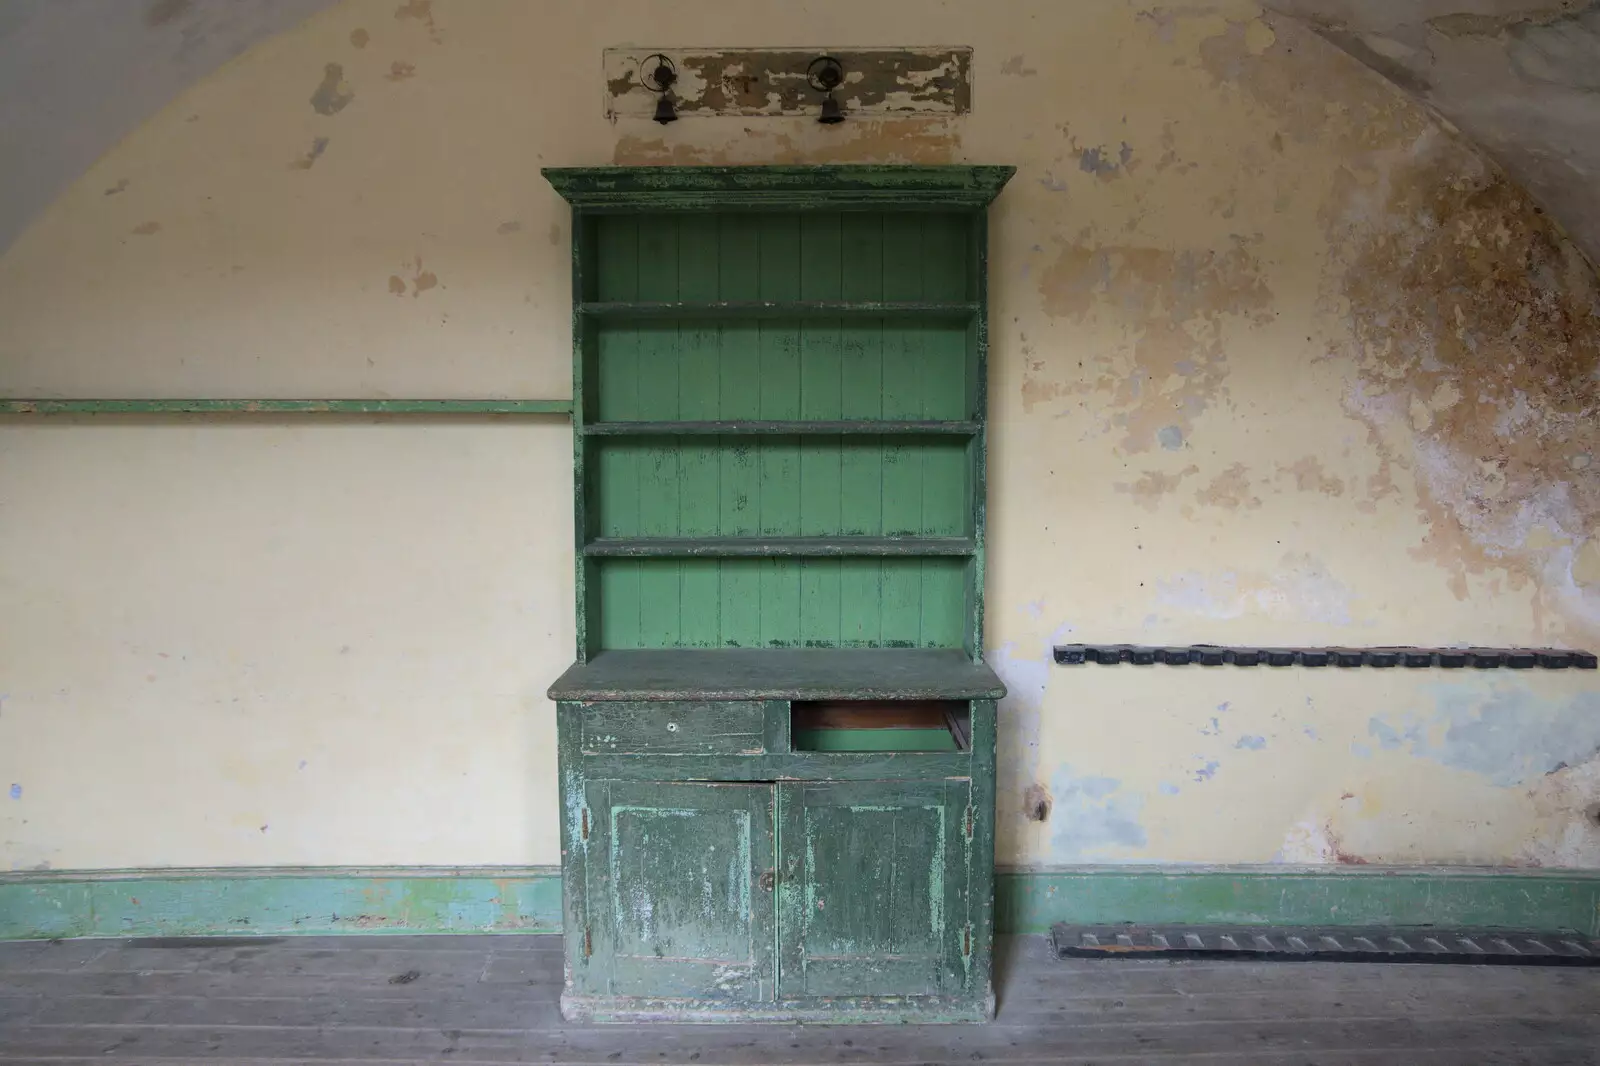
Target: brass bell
x=666, y=113
x=830, y=111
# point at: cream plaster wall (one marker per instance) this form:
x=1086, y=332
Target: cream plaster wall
x=1275, y=359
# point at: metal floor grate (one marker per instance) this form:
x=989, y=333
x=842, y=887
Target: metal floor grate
x=1310, y=944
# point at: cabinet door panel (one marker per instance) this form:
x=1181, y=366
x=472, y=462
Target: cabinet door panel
x=873, y=888
x=677, y=901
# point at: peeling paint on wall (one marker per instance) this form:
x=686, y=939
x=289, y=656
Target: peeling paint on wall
x=1017, y=716
x=1017, y=67
x=906, y=140
x=312, y=154
x=421, y=280
x=1309, y=476
x=421, y=12
x=1230, y=490
x=1300, y=589
x=1154, y=484
x=1473, y=329
x=1563, y=50
x=1037, y=803
x=772, y=82
x=1105, y=162
x=1566, y=804
x=1307, y=842
x=333, y=94
x=1173, y=310
x=1095, y=820
x=161, y=12
x=1476, y=334
x=1506, y=734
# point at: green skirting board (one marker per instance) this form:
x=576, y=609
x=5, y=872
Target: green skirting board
x=279, y=902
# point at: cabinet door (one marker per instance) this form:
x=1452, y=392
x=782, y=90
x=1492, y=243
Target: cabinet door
x=873, y=888
x=680, y=889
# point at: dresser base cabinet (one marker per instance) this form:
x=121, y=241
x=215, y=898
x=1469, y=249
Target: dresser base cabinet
x=731, y=877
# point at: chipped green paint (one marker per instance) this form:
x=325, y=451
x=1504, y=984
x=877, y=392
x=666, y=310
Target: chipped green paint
x=739, y=889
x=278, y=902
x=835, y=1010
x=732, y=563
x=348, y=900
x=978, y=853
x=1031, y=901
x=650, y=935
x=936, y=875
x=585, y=348
x=785, y=187
x=700, y=727
x=267, y=407
x=810, y=880
x=837, y=914
x=871, y=885
x=978, y=450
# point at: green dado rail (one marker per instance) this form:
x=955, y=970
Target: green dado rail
x=267, y=407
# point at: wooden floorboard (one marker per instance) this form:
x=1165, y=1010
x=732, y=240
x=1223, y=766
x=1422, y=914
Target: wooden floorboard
x=492, y=999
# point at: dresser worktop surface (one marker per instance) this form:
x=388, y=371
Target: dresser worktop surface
x=778, y=673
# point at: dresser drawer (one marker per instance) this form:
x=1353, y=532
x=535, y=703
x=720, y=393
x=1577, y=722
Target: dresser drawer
x=711, y=727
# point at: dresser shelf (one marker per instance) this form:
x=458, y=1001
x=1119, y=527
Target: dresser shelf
x=781, y=427
x=768, y=546
x=697, y=309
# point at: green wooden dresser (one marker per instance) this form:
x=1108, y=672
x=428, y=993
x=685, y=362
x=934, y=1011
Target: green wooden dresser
x=777, y=742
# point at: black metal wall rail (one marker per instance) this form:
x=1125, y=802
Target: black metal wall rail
x=1378, y=658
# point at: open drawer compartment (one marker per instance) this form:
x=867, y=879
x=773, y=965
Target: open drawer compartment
x=880, y=725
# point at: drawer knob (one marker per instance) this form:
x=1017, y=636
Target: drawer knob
x=767, y=879
x=672, y=727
